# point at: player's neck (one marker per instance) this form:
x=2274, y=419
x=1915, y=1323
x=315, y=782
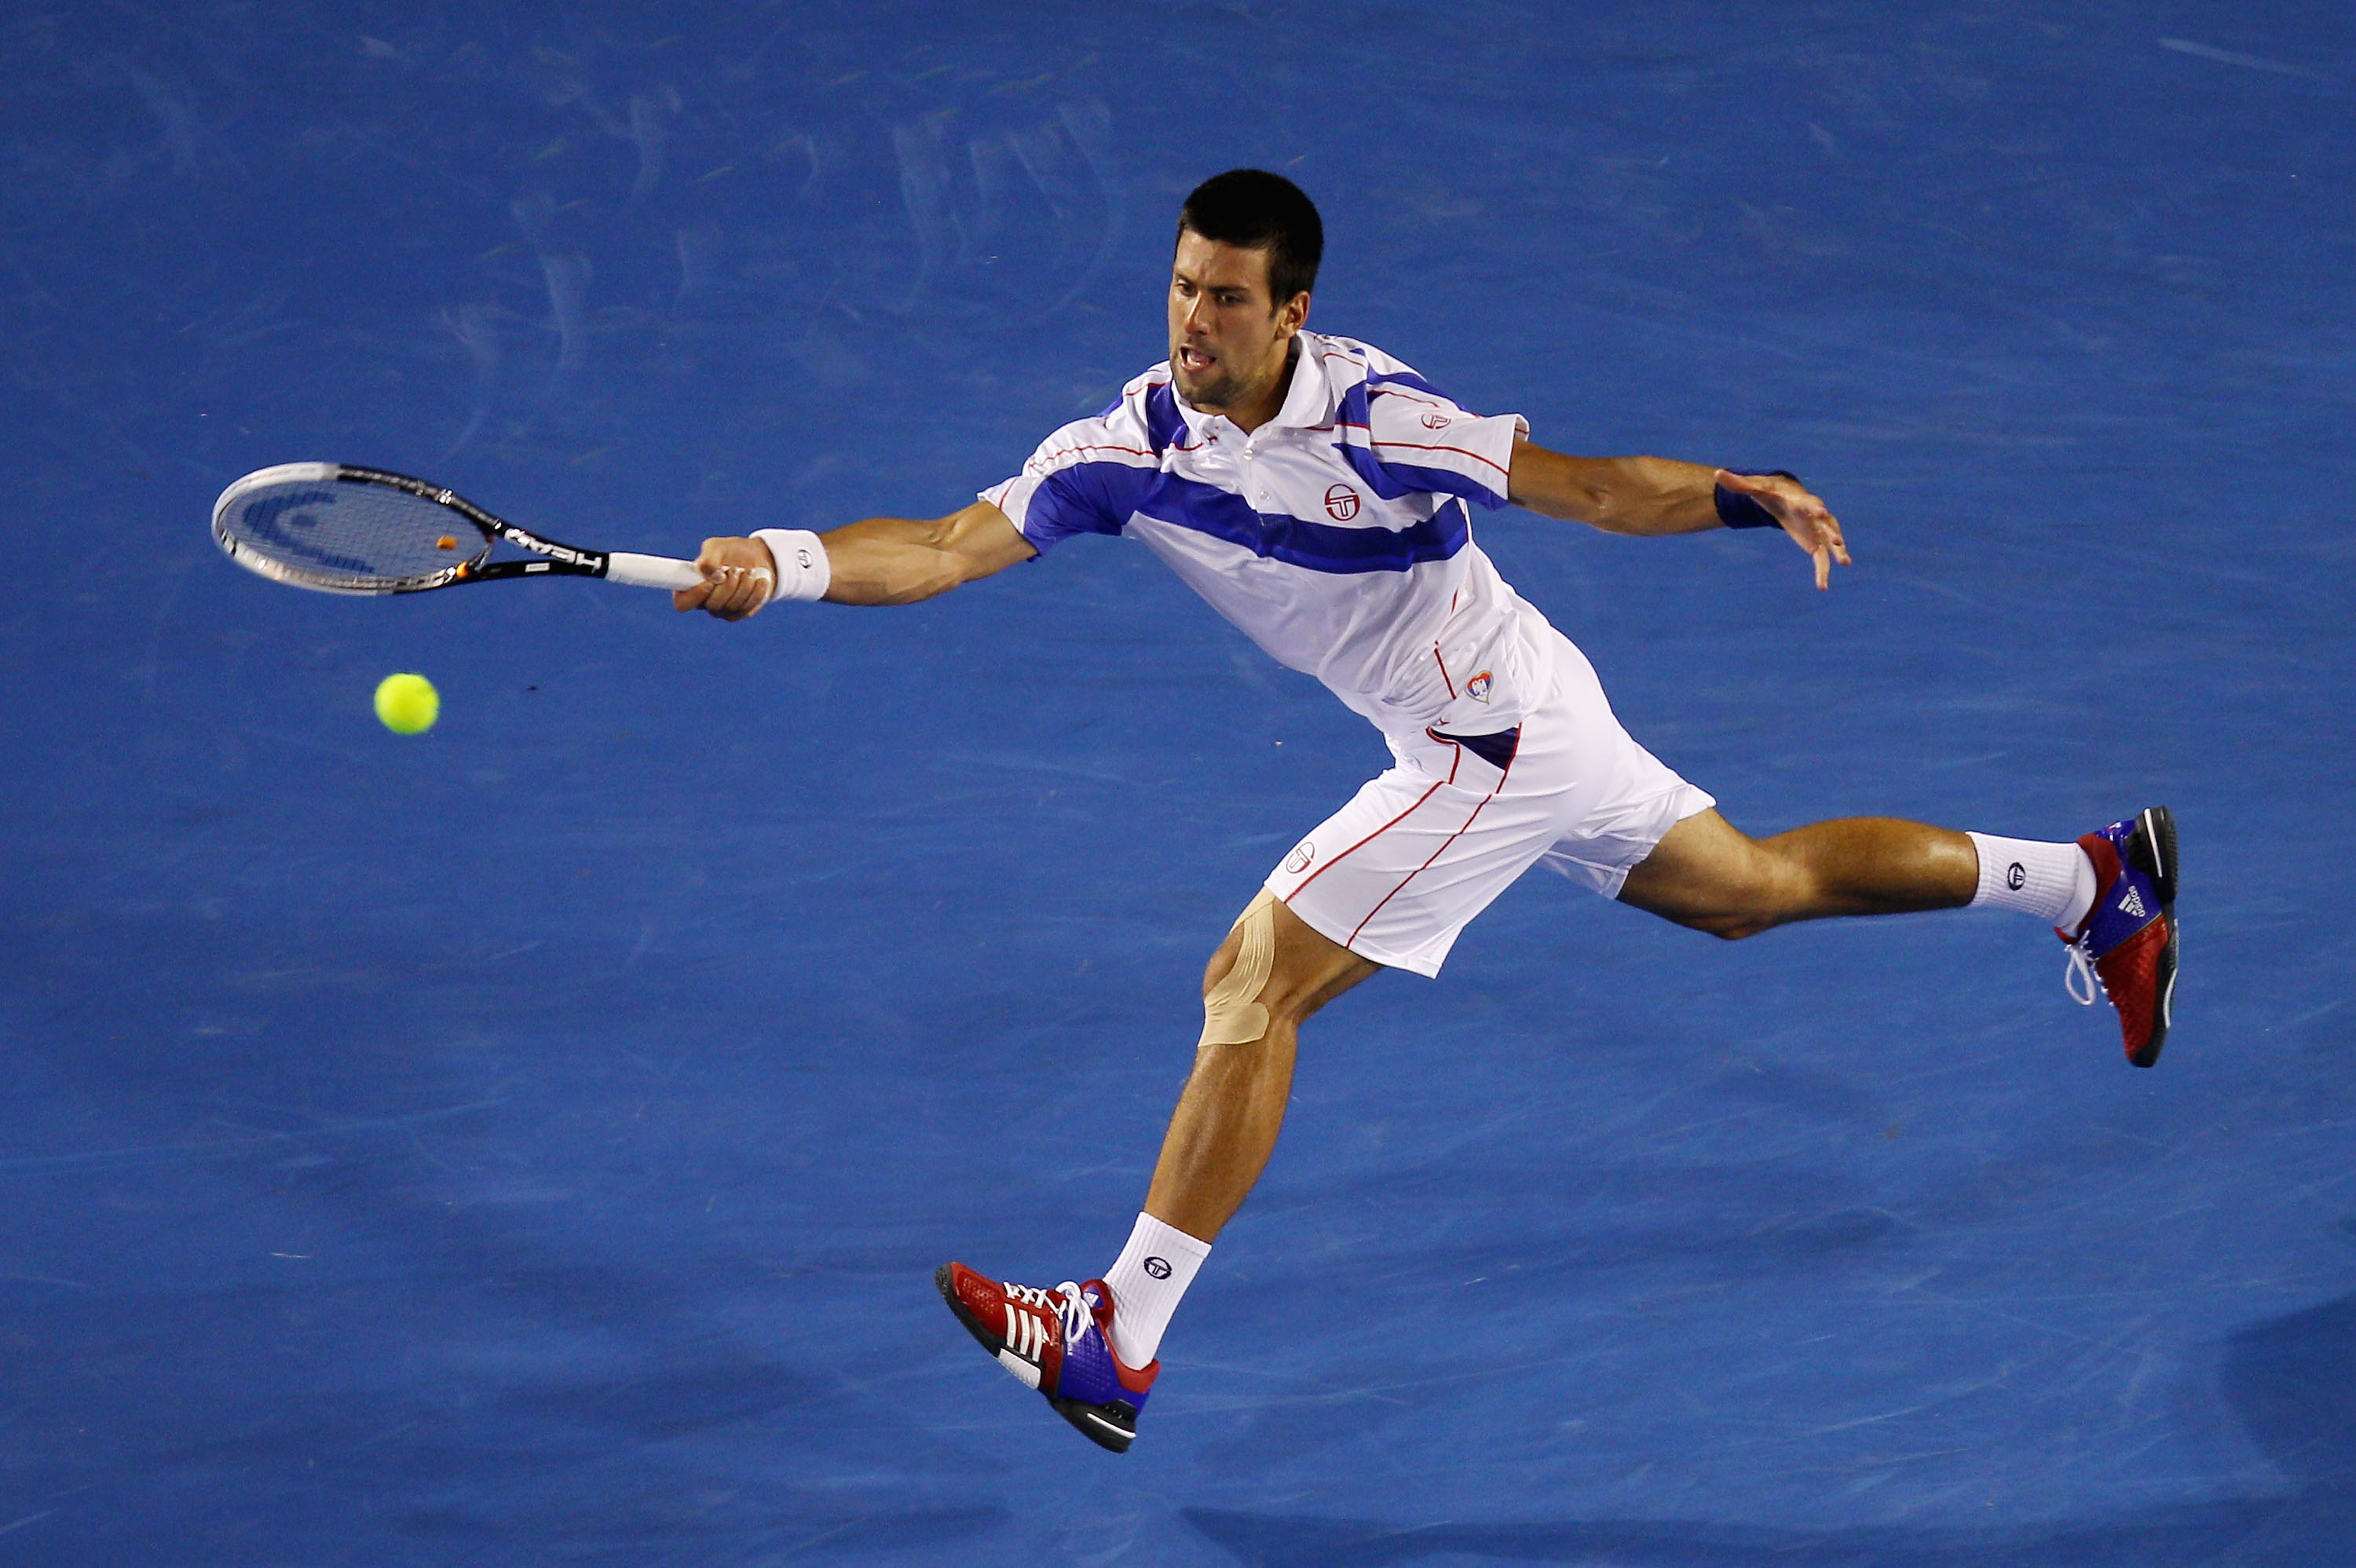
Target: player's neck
x=1247, y=414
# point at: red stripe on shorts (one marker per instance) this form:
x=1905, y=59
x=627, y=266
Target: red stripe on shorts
x=1451, y=838
x=1419, y=871
x=1379, y=832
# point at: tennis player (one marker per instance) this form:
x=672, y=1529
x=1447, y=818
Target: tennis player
x=1320, y=494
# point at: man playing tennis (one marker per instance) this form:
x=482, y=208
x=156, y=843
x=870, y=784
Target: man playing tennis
x=1317, y=492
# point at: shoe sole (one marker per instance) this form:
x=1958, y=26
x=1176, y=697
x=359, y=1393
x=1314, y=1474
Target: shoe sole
x=1092, y=1424
x=2152, y=849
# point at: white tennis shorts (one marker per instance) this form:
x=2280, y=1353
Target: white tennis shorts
x=1396, y=874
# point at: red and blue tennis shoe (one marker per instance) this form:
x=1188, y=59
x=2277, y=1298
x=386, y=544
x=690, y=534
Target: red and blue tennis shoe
x=1054, y=1342
x=2126, y=948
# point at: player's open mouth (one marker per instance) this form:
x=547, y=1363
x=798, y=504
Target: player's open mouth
x=1194, y=360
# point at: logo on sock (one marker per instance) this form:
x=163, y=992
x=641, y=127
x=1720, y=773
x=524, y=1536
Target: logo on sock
x=2015, y=875
x=1158, y=1267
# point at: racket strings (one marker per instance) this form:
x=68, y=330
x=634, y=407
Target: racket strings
x=351, y=535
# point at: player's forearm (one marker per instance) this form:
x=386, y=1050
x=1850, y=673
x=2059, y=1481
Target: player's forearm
x=1641, y=495
x=1653, y=495
x=891, y=560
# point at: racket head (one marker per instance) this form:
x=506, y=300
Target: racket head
x=338, y=530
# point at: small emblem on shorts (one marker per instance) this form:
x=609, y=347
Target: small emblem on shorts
x=1341, y=503
x=1435, y=422
x=2014, y=876
x=1297, y=861
x=1477, y=689
x=1158, y=1267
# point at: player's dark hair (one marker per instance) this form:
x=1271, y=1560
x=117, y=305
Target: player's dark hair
x=1256, y=210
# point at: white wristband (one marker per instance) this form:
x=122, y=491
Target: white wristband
x=803, y=571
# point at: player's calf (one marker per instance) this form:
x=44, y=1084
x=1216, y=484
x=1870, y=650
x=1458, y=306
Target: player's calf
x=1708, y=875
x=1271, y=972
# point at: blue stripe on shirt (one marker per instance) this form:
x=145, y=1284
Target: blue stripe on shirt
x=1409, y=380
x=1165, y=427
x=1390, y=478
x=1101, y=498
x=1296, y=541
x=1085, y=498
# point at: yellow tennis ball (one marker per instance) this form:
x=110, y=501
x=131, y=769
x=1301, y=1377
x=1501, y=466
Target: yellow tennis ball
x=408, y=704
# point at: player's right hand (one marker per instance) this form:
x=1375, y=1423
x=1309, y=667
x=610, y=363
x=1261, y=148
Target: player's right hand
x=1804, y=515
x=738, y=574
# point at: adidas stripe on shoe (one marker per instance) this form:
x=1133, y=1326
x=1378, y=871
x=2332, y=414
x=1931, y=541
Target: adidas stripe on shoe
x=1054, y=1342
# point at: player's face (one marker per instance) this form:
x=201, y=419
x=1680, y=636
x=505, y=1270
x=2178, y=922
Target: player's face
x=1228, y=338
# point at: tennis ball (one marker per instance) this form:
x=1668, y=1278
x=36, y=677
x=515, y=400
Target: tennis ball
x=408, y=704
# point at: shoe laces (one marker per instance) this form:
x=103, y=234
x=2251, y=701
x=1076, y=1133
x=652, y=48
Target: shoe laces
x=1067, y=1299
x=2079, y=975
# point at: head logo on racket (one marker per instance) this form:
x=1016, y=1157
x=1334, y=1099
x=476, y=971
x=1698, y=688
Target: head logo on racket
x=285, y=519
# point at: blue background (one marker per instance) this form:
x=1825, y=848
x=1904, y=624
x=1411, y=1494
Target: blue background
x=531, y=1143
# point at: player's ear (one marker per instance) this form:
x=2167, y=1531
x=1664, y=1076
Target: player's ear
x=1293, y=315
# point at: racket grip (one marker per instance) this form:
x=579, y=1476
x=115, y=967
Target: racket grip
x=651, y=571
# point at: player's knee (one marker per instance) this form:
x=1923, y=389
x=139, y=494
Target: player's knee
x=1775, y=899
x=1775, y=887
x=1767, y=893
x=1243, y=992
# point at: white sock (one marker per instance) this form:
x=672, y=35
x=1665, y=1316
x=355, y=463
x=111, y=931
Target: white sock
x=1152, y=1273
x=2055, y=882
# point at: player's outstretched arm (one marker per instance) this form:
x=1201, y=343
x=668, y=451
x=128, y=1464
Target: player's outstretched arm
x=880, y=561
x=1654, y=496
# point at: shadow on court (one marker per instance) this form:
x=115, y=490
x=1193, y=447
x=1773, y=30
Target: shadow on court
x=2291, y=1381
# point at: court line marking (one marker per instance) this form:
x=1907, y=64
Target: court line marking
x=2229, y=57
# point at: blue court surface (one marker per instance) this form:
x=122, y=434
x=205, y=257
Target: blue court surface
x=530, y=1142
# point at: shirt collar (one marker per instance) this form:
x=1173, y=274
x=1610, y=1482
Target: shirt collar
x=1308, y=398
x=1309, y=402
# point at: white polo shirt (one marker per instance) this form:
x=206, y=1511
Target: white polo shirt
x=1337, y=536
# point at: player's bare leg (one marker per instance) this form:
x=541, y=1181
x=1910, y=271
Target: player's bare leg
x=1091, y=1347
x=1706, y=874
x=1225, y=1125
x=2111, y=895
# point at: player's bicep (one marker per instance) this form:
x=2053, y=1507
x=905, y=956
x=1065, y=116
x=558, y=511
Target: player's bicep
x=984, y=540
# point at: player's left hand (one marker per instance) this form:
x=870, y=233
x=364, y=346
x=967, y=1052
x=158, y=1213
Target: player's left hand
x=1806, y=518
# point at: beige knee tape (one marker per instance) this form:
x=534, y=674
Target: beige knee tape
x=1232, y=1014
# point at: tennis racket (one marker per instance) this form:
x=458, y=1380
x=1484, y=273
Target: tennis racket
x=342, y=529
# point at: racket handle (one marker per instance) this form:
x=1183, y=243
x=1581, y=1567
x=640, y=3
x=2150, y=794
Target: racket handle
x=651, y=571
